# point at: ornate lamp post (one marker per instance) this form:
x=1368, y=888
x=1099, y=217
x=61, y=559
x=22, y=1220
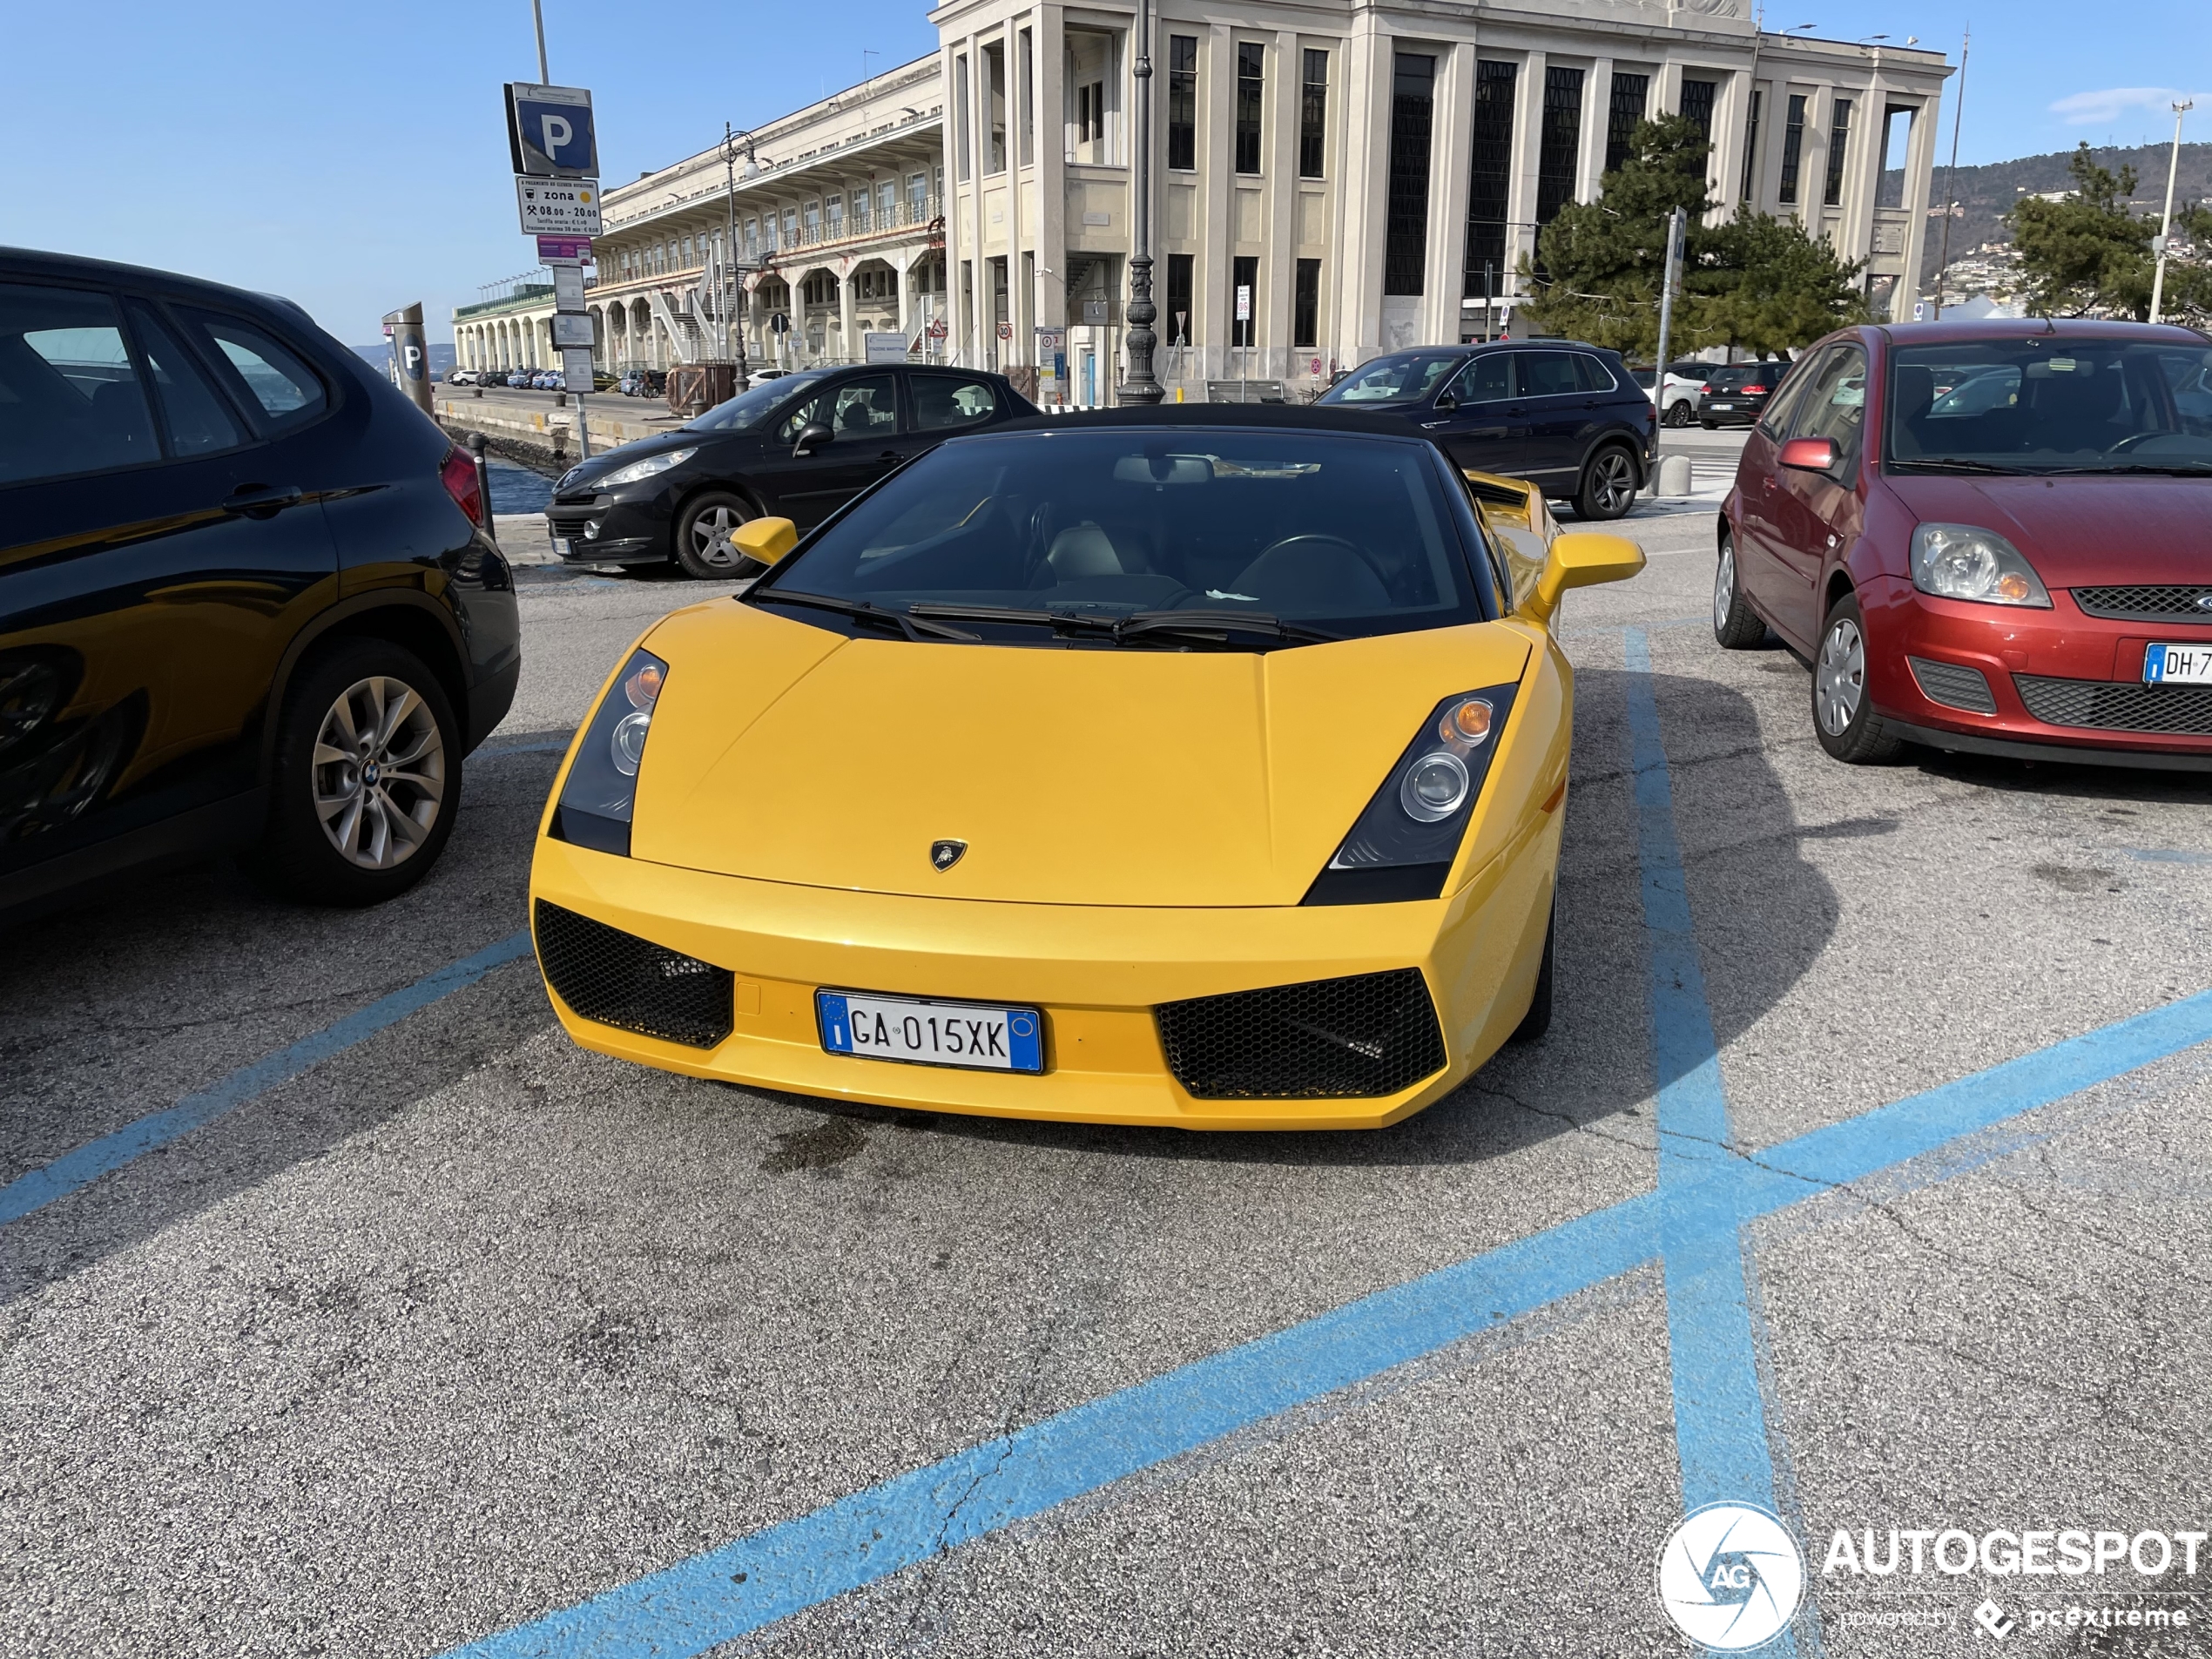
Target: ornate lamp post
x=1143, y=386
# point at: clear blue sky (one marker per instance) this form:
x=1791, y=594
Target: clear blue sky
x=354, y=156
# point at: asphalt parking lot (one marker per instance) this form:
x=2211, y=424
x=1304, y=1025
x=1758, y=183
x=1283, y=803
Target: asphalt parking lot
x=424, y=1329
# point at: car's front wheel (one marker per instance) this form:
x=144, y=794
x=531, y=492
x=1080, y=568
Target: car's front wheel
x=1736, y=625
x=1843, y=713
x=1609, y=486
x=366, y=779
x=704, y=530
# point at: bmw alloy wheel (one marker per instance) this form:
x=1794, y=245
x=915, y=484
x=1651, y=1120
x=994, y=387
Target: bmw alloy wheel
x=1839, y=677
x=379, y=771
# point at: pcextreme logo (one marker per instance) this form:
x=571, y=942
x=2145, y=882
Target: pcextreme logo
x=1730, y=1577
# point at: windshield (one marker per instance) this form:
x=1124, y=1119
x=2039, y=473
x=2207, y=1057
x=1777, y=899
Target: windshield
x=1116, y=533
x=744, y=411
x=1392, y=380
x=2047, y=403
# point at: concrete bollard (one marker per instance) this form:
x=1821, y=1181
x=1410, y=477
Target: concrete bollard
x=1674, y=475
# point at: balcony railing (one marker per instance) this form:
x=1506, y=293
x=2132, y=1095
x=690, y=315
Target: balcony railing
x=906, y=219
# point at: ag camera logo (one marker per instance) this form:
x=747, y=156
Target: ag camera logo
x=1730, y=1576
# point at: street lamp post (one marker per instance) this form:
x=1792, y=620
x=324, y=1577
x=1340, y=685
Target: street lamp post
x=742, y=380
x=2166, y=228
x=1143, y=386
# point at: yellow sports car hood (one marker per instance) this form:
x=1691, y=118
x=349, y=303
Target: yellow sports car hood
x=789, y=752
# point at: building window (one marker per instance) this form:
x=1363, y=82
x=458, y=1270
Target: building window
x=1025, y=114
x=994, y=108
x=810, y=218
x=1244, y=285
x=790, y=227
x=1176, y=323
x=1182, y=102
x=1623, y=111
x=862, y=204
x=836, y=219
x=1313, y=115
x=687, y=250
x=1838, y=146
x=1751, y=149
x=960, y=117
x=1793, y=144
x=1897, y=141
x=1090, y=114
x=1413, y=109
x=887, y=203
x=1490, y=179
x=1559, y=149
x=918, y=196
x=1697, y=104
x=1305, y=305
x=1251, y=62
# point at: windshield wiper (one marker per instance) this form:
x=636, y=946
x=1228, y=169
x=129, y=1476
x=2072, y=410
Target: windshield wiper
x=1218, y=625
x=1012, y=614
x=912, y=627
x=2171, y=470
x=1959, y=463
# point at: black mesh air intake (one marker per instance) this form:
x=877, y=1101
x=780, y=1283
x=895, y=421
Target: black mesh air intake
x=621, y=980
x=1363, y=1037
x=2118, y=705
x=2191, y=602
x=1954, y=686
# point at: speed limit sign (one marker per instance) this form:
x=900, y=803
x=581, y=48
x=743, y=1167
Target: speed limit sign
x=1006, y=331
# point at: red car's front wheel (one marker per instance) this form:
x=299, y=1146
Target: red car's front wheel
x=1843, y=713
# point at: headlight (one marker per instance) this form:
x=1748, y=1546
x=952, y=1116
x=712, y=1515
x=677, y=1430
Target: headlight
x=597, y=799
x=638, y=471
x=1403, y=844
x=1962, y=561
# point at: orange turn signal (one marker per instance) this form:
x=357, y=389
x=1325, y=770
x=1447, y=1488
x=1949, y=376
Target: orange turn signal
x=1467, y=723
x=643, y=688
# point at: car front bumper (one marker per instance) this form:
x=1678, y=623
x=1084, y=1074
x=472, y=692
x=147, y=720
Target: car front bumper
x=610, y=530
x=2060, y=684
x=1097, y=973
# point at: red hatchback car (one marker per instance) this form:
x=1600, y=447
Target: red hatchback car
x=1994, y=537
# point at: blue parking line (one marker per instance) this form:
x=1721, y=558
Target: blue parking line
x=77, y=1170
x=1692, y=1222
x=1720, y=1413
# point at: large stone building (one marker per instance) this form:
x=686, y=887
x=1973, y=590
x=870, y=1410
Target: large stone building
x=1364, y=173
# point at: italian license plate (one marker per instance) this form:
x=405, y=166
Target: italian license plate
x=2178, y=665
x=563, y=548
x=1717, y=407
x=979, y=1036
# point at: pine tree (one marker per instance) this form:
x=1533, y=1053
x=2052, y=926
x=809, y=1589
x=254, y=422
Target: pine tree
x=2089, y=252
x=1754, y=282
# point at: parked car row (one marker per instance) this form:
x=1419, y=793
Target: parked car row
x=1990, y=538
x=247, y=600
x=539, y=380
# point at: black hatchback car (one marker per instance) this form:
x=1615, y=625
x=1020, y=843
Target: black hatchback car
x=1736, y=393
x=1566, y=416
x=797, y=446
x=246, y=595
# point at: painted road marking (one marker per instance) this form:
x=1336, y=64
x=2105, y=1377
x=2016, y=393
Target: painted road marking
x=1707, y=1191
x=74, y=1171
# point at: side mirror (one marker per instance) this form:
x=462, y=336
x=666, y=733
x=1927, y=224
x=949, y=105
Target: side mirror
x=1445, y=401
x=765, y=540
x=1810, y=455
x=1582, y=559
x=812, y=437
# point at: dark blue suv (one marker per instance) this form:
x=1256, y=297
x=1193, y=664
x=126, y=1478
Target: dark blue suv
x=1563, y=414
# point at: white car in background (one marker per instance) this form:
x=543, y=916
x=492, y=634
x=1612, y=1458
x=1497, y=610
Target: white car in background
x=1685, y=384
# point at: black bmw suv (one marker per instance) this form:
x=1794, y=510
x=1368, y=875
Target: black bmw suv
x=797, y=446
x=246, y=599
x=1563, y=415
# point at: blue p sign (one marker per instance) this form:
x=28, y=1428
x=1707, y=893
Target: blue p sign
x=549, y=131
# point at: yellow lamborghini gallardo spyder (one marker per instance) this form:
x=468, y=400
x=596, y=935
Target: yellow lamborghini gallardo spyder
x=1187, y=765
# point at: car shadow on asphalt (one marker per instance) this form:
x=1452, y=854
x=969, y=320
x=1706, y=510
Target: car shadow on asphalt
x=139, y=994
x=1592, y=1072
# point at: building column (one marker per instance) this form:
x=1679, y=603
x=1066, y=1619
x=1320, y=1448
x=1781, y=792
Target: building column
x=1597, y=120
x=848, y=326
x=1451, y=165
x=1862, y=169
x=1919, y=187
x=1732, y=110
x=1214, y=298
x=1363, y=188
x=1527, y=152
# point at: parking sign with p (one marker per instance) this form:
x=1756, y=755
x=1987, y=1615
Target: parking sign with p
x=549, y=131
